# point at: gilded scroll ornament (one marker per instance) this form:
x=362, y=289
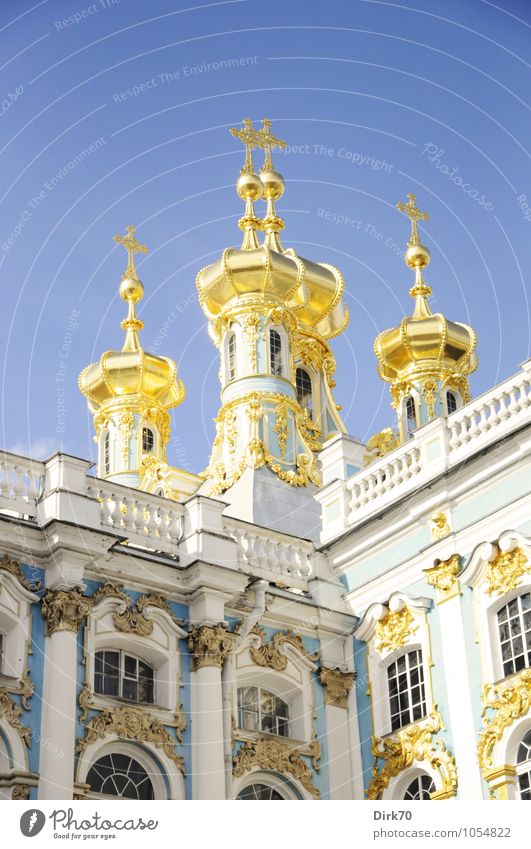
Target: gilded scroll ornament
x=129, y=723
x=337, y=686
x=394, y=630
x=21, y=793
x=26, y=689
x=504, y=573
x=210, y=645
x=125, y=425
x=413, y=743
x=64, y=610
x=251, y=329
x=380, y=444
x=180, y=723
x=280, y=757
x=443, y=575
x=429, y=388
x=281, y=427
x=85, y=702
x=272, y=655
x=9, y=564
x=133, y=620
x=505, y=702
x=12, y=712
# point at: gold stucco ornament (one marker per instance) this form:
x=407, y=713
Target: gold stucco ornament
x=444, y=575
x=503, y=704
x=281, y=757
x=505, y=572
x=337, y=685
x=210, y=644
x=394, y=629
x=271, y=654
x=64, y=610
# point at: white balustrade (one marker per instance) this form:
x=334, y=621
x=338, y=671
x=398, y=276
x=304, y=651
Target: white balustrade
x=20, y=483
x=271, y=557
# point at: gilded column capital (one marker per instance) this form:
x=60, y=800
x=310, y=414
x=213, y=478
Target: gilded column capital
x=443, y=576
x=210, y=645
x=64, y=610
x=337, y=685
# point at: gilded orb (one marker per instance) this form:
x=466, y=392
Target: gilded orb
x=272, y=184
x=131, y=290
x=417, y=256
x=249, y=186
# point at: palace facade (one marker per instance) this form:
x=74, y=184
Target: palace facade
x=310, y=617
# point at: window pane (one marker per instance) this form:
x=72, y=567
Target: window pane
x=130, y=666
x=111, y=663
x=130, y=689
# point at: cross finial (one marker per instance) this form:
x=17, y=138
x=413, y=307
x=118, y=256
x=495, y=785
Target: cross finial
x=414, y=214
x=269, y=142
x=132, y=247
x=249, y=136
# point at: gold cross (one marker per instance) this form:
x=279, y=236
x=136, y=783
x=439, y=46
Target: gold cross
x=269, y=142
x=132, y=247
x=249, y=136
x=414, y=214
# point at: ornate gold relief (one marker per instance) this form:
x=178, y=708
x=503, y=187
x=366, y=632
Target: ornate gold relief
x=506, y=702
x=26, y=689
x=133, y=620
x=504, y=573
x=12, y=712
x=130, y=723
x=179, y=723
x=108, y=590
x=85, y=702
x=394, y=630
x=251, y=329
x=413, y=743
x=281, y=427
x=21, y=793
x=429, y=388
x=64, y=610
x=8, y=564
x=125, y=425
x=439, y=526
x=271, y=654
x=443, y=576
x=380, y=444
x=281, y=757
x=337, y=686
x=210, y=645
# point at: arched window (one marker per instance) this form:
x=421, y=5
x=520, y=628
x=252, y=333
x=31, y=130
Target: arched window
x=411, y=415
x=148, y=440
x=303, y=385
x=407, y=698
x=119, y=775
x=259, y=791
x=260, y=710
x=275, y=352
x=123, y=676
x=106, y=453
x=420, y=788
x=514, y=630
x=231, y=356
x=451, y=402
x=523, y=767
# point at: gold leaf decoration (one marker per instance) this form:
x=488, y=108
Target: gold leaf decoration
x=394, y=630
x=281, y=757
x=64, y=610
x=506, y=703
x=271, y=654
x=443, y=575
x=8, y=564
x=337, y=686
x=505, y=572
x=210, y=644
x=11, y=712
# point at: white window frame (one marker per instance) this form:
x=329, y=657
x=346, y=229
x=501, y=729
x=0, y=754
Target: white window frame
x=123, y=653
x=392, y=661
x=313, y=411
x=260, y=716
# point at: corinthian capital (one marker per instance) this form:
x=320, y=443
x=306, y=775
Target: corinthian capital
x=210, y=644
x=64, y=610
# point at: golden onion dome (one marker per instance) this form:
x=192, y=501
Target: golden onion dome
x=313, y=291
x=425, y=343
x=131, y=374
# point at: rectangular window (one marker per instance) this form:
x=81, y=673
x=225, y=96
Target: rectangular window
x=407, y=698
x=514, y=631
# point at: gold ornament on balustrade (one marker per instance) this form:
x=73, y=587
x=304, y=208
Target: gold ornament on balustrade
x=505, y=572
x=210, y=645
x=280, y=757
x=130, y=723
x=394, y=629
x=337, y=686
x=503, y=704
x=380, y=444
x=409, y=745
x=271, y=654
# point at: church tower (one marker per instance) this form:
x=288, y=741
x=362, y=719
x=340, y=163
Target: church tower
x=130, y=393
x=271, y=313
x=426, y=359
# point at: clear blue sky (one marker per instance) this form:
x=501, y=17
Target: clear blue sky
x=420, y=87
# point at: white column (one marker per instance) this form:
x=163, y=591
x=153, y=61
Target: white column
x=63, y=611
x=337, y=690
x=457, y=686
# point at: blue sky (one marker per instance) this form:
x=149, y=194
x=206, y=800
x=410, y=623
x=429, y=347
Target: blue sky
x=375, y=98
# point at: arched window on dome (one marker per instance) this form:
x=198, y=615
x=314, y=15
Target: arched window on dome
x=420, y=788
x=148, y=440
x=514, y=631
x=275, y=352
x=523, y=767
x=231, y=356
x=411, y=415
x=303, y=383
x=119, y=775
x=407, y=695
x=451, y=403
x=106, y=453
